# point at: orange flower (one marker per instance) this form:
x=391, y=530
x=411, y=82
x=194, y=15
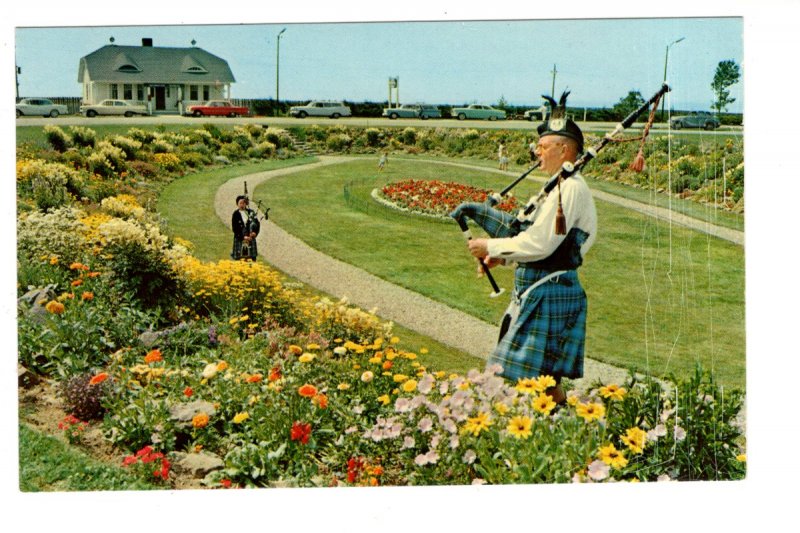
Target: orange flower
x=295, y=350
x=54, y=307
x=78, y=266
x=99, y=378
x=188, y=392
x=275, y=373
x=222, y=365
x=200, y=420
x=87, y=296
x=77, y=283
x=387, y=365
x=255, y=378
x=93, y=274
x=307, y=391
x=320, y=400
x=153, y=356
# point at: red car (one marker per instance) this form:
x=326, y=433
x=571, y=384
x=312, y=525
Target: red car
x=221, y=108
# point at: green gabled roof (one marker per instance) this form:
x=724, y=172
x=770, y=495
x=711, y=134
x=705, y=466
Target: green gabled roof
x=151, y=64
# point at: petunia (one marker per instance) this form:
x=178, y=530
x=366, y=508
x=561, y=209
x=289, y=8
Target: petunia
x=598, y=470
x=679, y=433
x=425, y=424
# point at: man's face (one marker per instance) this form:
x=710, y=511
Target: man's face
x=552, y=152
x=242, y=203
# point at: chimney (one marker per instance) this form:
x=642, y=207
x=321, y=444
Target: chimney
x=147, y=41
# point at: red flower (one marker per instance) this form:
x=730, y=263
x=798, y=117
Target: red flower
x=354, y=466
x=301, y=432
x=226, y=483
x=129, y=460
x=307, y=391
x=275, y=373
x=188, y=392
x=255, y=378
x=99, y=378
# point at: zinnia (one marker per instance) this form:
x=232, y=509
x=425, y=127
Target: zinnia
x=200, y=420
x=98, y=378
x=307, y=391
x=301, y=432
x=306, y=357
x=153, y=356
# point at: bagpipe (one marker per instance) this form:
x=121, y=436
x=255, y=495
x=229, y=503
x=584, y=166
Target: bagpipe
x=500, y=224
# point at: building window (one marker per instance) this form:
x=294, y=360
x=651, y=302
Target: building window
x=114, y=90
x=127, y=92
x=140, y=92
x=205, y=92
x=192, y=92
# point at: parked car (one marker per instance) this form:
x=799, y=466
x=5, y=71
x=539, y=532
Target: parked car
x=321, y=109
x=423, y=111
x=114, y=107
x=221, y=108
x=531, y=114
x=479, y=112
x=695, y=119
x=40, y=107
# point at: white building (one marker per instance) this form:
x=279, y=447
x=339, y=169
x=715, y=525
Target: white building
x=167, y=80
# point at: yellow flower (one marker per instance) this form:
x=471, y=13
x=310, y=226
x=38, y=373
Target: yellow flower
x=241, y=417
x=410, y=385
x=528, y=386
x=545, y=382
x=614, y=392
x=394, y=340
x=611, y=456
x=742, y=458
x=312, y=346
x=478, y=423
x=295, y=350
x=384, y=399
x=634, y=439
x=375, y=360
x=210, y=371
x=54, y=307
x=222, y=365
x=423, y=351
x=399, y=378
x=590, y=411
x=306, y=357
x=572, y=399
x=519, y=427
x=501, y=408
x=343, y=386
x=543, y=403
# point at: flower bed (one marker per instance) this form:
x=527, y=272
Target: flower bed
x=434, y=197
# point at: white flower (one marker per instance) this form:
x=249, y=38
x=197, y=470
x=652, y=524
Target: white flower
x=425, y=424
x=425, y=384
x=598, y=470
x=680, y=433
x=449, y=425
x=469, y=457
x=408, y=442
x=478, y=481
x=659, y=431
x=358, y=409
x=340, y=350
x=494, y=369
x=210, y=370
x=454, y=442
x=402, y=405
x=664, y=477
x=367, y=376
x=351, y=429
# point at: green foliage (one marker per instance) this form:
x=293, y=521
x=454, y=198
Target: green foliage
x=727, y=74
x=627, y=104
x=57, y=138
x=83, y=137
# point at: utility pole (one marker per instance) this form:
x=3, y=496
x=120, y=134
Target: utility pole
x=553, y=88
x=17, y=72
x=278, y=74
x=666, y=60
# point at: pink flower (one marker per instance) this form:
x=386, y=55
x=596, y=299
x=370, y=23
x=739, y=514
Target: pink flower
x=598, y=470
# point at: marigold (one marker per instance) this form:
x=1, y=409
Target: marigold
x=153, y=356
x=188, y=392
x=307, y=391
x=255, y=378
x=384, y=399
x=320, y=400
x=300, y=432
x=54, y=307
x=399, y=378
x=306, y=357
x=343, y=386
x=295, y=349
x=98, y=378
x=200, y=420
x=387, y=365
x=87, y=296
x=409, y=386
x=367, y=376
x=76, y=282
x=222, y=365
x=275, y=373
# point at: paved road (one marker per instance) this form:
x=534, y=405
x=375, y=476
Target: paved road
x=78, y=120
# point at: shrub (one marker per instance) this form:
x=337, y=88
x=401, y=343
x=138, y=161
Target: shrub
x=143, y=136
x=168, y=161
x=81, y=136
x=127, y=145
x=48, y=184
x=116, y=156
x=339, y=142
x=409, y=136
x=262, y=150
x=143, y=169
x=84, y=395
x=232, y=150
x=57, y=235
x=57, y=138
x=373, y=136
x=99, y=164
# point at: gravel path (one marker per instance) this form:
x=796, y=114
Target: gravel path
x=402, y=306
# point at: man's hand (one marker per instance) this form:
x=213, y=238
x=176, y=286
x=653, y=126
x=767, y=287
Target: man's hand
x=478, y=248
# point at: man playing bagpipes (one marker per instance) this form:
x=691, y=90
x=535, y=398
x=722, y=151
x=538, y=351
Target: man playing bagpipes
x=544, y=328
x=245, y=226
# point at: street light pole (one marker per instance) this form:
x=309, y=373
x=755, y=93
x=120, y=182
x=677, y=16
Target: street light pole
x=666, y=60
x=278, y=73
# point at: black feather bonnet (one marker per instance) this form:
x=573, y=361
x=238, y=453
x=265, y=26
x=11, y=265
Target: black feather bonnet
x=558, y=123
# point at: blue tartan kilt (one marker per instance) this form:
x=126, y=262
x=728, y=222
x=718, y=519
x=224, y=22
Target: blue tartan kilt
x=495, y=222
x=549, y=334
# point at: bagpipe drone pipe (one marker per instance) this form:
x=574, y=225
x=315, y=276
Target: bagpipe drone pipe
x=500, y=224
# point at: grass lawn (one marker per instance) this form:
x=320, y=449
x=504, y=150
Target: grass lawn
x=660, y=299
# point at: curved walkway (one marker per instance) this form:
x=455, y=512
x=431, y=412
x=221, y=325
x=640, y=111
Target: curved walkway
x=391, y=302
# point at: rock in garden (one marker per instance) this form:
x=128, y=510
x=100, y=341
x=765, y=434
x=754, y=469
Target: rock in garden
x=26, y=378
x=199, y=465
x=184, y=412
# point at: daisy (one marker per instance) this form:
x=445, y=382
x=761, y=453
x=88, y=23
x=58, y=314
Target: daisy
x=611, y=456
x=519, y=427
x=590, y=411
x=543, y=404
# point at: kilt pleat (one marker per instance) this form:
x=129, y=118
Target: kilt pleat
x=549, y=334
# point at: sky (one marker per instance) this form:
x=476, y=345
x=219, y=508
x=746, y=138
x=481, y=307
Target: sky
x=439, y=62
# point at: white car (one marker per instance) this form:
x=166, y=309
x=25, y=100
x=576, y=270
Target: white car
x=40, y=107
x=321, y=109
x=114, y=107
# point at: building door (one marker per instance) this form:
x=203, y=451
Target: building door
x=161, y=101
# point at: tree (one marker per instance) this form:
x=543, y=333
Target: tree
x=502, y=104
x=627, y=105
x=726, y=75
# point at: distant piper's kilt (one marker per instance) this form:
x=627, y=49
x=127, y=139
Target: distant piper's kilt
x=242, y=251
x=549, y=334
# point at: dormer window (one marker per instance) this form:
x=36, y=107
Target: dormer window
x=129, y=68
x=189, y=65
